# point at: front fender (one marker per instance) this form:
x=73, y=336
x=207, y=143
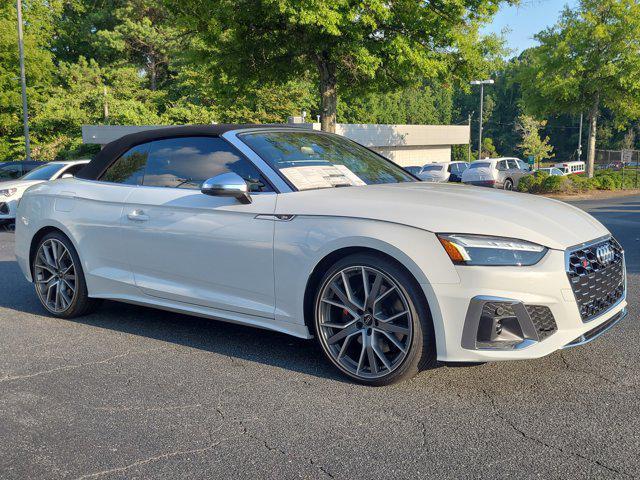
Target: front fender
x=302, y=243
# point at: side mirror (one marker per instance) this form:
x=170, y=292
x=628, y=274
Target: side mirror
x=227, y=185
x=67, y=175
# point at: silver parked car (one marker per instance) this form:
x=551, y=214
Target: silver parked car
x=502, y=173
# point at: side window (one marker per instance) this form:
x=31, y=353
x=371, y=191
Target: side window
x=513, y=165
x=502, y=165
x=129, y=168
x=188, y=162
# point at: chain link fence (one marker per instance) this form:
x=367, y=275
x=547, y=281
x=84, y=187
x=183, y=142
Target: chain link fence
x=627, y=162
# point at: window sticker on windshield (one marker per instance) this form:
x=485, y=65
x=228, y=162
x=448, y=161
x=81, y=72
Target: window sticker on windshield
x=321, y=176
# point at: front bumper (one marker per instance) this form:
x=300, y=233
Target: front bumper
x=543, y=285
x=483, y=183
x=8, y=208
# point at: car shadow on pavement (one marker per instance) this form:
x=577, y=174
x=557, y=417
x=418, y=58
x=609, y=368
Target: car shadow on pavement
x=236, y=341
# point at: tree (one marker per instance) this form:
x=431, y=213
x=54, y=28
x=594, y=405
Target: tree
x=345, y=44
x=488, y=148
x=532, y=144
x=40, y=68
x=427, y=104
x=589, y=60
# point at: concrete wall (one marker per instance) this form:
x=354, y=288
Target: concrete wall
x=416, y=156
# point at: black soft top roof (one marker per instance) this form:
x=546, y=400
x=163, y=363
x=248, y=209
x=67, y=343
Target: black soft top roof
x=113, y=150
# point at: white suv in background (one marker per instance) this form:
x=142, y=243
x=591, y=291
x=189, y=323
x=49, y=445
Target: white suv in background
x=11, y=191
x=502, y=173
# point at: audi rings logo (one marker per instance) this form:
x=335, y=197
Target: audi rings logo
x=605, y=254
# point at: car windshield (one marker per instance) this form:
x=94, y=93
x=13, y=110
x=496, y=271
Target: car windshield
x=44, y=172
x=8, y=171
x=414, y=170
x=431, y=168
x=311, y=160
x=480, y=165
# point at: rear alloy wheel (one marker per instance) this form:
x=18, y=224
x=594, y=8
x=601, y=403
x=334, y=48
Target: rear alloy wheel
x=58, y=278
x=368, y=321
x=508, y=184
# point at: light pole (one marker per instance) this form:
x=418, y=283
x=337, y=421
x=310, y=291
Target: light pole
x=482, y=83
x=23, y=81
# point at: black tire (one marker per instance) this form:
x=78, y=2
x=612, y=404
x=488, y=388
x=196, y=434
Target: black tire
x=421, y=354
x=508, y=184
x=80, y=303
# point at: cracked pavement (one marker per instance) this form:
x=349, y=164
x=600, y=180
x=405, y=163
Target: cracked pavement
x=131, y=392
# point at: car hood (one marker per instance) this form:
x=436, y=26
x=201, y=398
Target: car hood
x=450, y=208
x=19, y=184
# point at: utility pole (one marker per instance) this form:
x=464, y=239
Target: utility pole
x=580, y=140
x=469, y=153
x=482, y=83
x=23, y=81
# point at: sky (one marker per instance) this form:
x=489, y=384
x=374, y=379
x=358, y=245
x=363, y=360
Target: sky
x=525, y=20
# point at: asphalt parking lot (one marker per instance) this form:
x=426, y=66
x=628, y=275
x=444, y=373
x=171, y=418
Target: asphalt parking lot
x=131, y=392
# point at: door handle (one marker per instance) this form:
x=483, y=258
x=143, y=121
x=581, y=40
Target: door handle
x=138, y=216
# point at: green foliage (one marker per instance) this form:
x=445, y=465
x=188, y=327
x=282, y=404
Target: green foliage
x=532, y=144
x=592, y=55
x=376, y=45
x=488, y=148
x=430, y=105
x=541, y=182
x=590, y=59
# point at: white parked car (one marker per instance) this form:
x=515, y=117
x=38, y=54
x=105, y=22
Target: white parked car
x=11, y=191
x=553, y=171
x=440, y=172
x=502, y=173
x=434, y=172
x=313, y=235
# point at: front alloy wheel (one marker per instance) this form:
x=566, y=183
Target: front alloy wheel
x=366, y=322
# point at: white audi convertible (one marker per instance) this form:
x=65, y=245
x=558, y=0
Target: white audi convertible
x=313, y=235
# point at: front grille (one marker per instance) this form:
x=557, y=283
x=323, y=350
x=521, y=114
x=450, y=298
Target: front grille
x=4, y=208
x=597, y=283
x=543, y=320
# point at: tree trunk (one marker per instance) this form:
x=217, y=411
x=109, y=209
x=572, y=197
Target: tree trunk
x=153, y=74
x=328, y=93
x=593, y=125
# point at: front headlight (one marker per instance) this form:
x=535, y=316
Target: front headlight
x=8, y=192
x=466, y=249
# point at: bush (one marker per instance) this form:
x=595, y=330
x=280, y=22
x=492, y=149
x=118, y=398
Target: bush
x=555, y=184
x=607, y=182
x=541, y=182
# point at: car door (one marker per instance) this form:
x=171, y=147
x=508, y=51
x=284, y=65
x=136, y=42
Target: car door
x=456, y=174
x=503, y=171
x=92, y=211
x=185, y=246
x=516, y=170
